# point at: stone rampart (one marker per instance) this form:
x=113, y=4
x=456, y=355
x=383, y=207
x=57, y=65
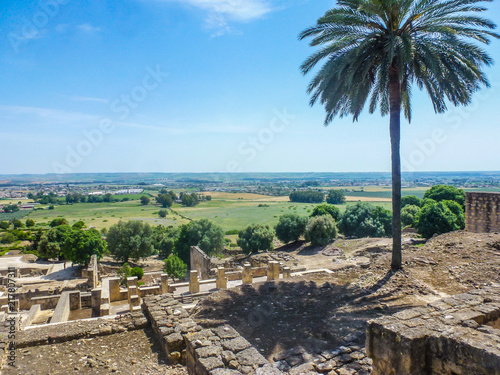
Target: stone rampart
x=482, y=212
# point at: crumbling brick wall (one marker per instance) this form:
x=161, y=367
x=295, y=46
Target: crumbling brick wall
x=482, y=212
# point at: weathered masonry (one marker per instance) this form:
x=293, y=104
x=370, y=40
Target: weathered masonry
x=482, y=212
x=458, y=335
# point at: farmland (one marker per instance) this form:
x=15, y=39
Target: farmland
x=230, y=211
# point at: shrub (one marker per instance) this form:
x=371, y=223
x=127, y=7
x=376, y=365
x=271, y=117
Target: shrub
x=4, y=225
x=7, y=238
x=137, y=272
x=446, y=192
x=335, y=197
x=364, y=219
x=408, y=214
x=321, y=230
x=327, y=209
x=254, y=238
x=30, y=223
x=231, y=232
x=290, y=227
x=175, y=267
x=123, y=272
x=410, y=200
x=163, y=213
x=436, y=218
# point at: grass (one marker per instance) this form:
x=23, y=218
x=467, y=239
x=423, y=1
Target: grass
x=14, y=215
x=230, y=211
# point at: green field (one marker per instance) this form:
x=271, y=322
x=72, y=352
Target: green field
x=231, y=211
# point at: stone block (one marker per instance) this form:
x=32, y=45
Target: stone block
x=194, y=283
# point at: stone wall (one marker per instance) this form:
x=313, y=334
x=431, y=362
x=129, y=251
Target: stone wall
x=215, y=351
x=482, y=212
x=447, y=337
x=91, y=272
x=200, y=262
x=55, y=333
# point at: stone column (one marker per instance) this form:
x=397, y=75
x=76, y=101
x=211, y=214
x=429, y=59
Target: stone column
x=221, y=281
x=75, y=301
x=114, y=289
x=273, y=270
x=164, y=283
x=194, y=284
x=246, y=275
x=96, y=301
x=287, y=272
x=132, y=281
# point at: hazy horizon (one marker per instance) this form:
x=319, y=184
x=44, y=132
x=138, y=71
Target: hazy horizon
x=195, y=86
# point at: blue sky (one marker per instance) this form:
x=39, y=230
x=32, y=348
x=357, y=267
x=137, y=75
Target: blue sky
x=201, y=86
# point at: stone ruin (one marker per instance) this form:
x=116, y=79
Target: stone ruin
x=458, y=335
x=482, y=212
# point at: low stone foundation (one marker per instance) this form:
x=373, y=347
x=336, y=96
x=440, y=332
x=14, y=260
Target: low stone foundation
x=55, y=333
x=453, y=336
x=215, y=351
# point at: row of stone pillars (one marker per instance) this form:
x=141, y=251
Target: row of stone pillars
x=273, y=273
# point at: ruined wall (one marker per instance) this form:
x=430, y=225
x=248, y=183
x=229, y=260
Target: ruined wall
x=451, y=336
x=218, y=350
x=200, y=262
x=482, y=212
x=91, y=273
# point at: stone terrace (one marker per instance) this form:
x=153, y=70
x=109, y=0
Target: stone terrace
x=454, y=336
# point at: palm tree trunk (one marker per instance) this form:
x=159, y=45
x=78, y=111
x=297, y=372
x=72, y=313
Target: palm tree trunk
x=395, y=131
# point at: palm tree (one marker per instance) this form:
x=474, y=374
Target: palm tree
x=375, y=50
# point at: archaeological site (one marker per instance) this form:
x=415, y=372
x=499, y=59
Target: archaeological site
x=335, y=310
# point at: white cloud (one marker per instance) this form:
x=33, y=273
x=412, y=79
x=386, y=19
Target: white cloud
x=222, y=11
x=88, y=28
x=88, y=99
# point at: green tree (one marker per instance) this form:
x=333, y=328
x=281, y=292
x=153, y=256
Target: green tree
x=435, y=218
x=307, y=196
x=166, y=242
x=458, y=211
x=163, y=213
x=327, y=209
x=255, y=238
x=364, y=219
x=4, y=225
x=52, y=242
x=79, y=225
x=145, y=200
x=446, y=192
x=10, y=208
x=375, y=50
x=409, y=214
x=203, y=233
x=321, y=230
x=18, y=224
x=58, y=221
x=290, y=227
x=30, y=223
x=335, y=197
x=123, y=273
x=175, y=267
x=164, y=200
x=131, y=239
x=80, y=245
x=410, y=200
